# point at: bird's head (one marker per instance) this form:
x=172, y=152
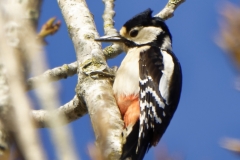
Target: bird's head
x=141, y=30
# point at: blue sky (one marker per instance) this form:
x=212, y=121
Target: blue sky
x=209, y=107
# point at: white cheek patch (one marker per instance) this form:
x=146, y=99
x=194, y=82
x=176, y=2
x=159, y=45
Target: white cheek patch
x=146, y=35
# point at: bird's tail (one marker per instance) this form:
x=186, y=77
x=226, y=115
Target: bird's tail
x=130, y=151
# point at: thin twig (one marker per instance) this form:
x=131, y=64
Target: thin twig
x=168, y=10
x=108, y=15
x=49, y=28
x=73, y=110
x=108, y=25
x=54, y=74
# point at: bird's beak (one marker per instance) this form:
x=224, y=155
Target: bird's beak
x=111, y=38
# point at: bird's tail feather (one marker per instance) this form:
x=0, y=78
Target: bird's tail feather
x=130, y=151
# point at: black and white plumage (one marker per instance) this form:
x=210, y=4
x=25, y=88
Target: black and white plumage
x=149, y=74
x=159, y=93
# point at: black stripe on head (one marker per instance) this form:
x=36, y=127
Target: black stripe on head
x=142, y=19
x=156, y=21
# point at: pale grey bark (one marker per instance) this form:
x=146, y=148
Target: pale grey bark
x=54, y=74
x=108, y=25
x=73, y=110
x=12, y=59
x=4, y=138
x=4, y=92
x=168, y=10
x=9, y=28
x=20, y=47
x=108, y=15
x=94, y=87
x=4, y=110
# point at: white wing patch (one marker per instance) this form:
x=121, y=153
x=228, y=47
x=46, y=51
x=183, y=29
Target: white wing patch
x=164, y=83
x=154, y=93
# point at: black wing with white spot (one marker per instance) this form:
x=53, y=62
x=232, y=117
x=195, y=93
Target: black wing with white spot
x=160, y=87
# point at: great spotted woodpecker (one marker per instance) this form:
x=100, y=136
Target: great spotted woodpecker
x=148, y=82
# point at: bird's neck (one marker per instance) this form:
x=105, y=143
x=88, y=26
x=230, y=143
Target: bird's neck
x=167, y=43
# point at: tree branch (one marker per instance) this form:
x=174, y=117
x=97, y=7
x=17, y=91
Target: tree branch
x=94, y=85
x=21, y=42
x=49, y=28
x=54, y=74
x=4, y=111
x=108, y=15
x=13, y=29
x=168, y=10
x=73, y=110
x=108, y=25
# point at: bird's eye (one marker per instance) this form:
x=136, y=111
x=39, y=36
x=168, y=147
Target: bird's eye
x=133, y=33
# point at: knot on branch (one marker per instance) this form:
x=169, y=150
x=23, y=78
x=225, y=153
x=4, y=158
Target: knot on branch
x=96, y=68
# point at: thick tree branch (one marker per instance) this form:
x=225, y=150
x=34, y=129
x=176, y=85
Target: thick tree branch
x=4, y=141
x=4, y=92
x=27, y=50
x=4, y=111
x=13, y=29
x=94, y=85
x=31, y=14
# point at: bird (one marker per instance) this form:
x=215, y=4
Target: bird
x=148, y=83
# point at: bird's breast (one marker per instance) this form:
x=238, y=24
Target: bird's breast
x=127, y=77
